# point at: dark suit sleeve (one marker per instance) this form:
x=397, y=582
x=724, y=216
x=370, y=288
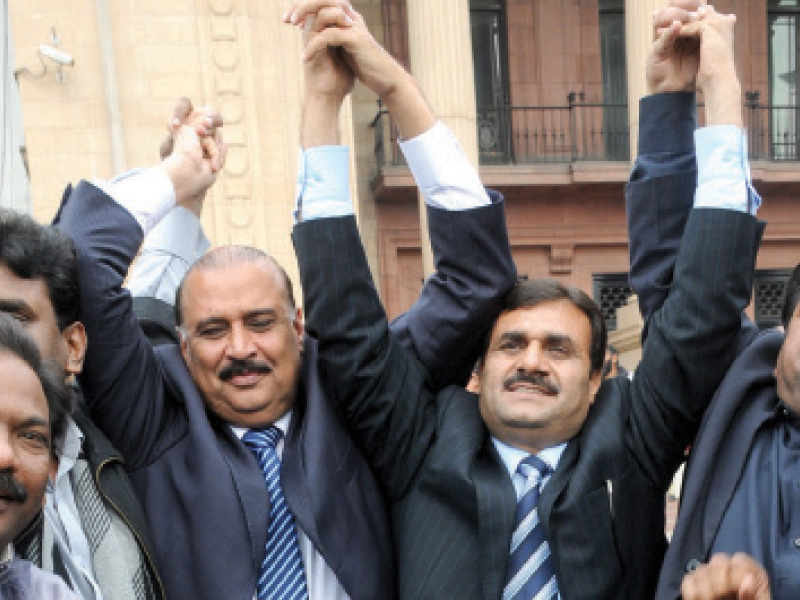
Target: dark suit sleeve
x=157, y=320
x=379, y=386
x=692, y=337
x=660, y=194
x=446, y=326
x=659, y=197
x=121, y=378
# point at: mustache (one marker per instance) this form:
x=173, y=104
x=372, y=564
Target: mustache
x=11, y=489
x=539, y=381
x=238, y=367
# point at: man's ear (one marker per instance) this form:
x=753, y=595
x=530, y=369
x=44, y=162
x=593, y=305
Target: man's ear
x=75, y=337
x=299, y=327
x=595, y=380
x=184, y=343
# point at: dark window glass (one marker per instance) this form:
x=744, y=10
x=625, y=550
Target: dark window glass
x=611, y=291
x=615, y=79
x=783, y=21
x=491, y=90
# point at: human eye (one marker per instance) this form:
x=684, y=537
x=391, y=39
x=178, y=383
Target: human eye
x=262, y=323
x=212, y=332
x=17, y=315
x=560, y=349
x=510, y=345
x=36, y=438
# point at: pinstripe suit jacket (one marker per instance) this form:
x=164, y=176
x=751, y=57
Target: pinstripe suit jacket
x=452, y=501
x=204, y=495
x=746, y=399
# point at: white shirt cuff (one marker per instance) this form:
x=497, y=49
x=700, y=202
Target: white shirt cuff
x=323, y=183
x=444, y=175
x=148, y=194
x=723, y=179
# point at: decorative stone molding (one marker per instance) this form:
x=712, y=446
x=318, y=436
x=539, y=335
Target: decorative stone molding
x=235, y=213
x=561, y=256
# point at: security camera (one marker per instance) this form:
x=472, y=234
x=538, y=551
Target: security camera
x=62, y=58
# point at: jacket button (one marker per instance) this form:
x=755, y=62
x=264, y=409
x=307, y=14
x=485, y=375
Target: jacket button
x=797, y=542
x=692, y=565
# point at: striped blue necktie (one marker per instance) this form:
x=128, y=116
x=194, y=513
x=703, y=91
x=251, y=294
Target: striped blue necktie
x=531, y=574
x=281, y=576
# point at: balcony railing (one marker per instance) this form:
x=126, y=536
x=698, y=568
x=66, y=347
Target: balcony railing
x=534, y=134
x=773, y=131
x=583, y=131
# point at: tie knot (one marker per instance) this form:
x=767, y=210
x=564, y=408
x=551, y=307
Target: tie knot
x=259, y=439
x=533, y=465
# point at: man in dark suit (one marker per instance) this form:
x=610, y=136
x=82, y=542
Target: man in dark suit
x=601, y=456
x=244, y=365
x=740, y=492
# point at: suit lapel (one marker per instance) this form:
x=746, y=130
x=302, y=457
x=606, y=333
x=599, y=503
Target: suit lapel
x=735, y=448
x=251, y=488
x=294, y=476
x=496, y=506
x=557, y=483
x=308, y=485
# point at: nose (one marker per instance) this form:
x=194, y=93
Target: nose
x=533, y=359
x=8, y=456
x=240, y=343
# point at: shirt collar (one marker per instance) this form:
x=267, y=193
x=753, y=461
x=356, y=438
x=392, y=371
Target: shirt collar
x=282, y=424
x=513, y=456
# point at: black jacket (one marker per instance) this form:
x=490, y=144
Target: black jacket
x=115, y=488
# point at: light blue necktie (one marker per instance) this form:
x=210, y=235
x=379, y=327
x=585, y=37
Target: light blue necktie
x=531, y=573
x=281, y=576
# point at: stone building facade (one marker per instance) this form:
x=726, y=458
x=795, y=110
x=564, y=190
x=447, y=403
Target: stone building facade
x=542, y=93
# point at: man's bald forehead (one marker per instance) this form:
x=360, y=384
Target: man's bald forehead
x=226, y=257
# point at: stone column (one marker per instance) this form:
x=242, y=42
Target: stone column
x=440, y=52
x=638, y=37
x=14, y=190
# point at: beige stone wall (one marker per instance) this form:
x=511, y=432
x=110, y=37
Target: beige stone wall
x=234, y=54
x=638, y=39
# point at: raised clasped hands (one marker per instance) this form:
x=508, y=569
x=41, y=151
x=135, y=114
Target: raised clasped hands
x=675, y=55
x=193, y=153
x=334, y=24
x=690, y=40
x=694, y=49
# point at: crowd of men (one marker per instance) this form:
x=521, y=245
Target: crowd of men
x=176, y=426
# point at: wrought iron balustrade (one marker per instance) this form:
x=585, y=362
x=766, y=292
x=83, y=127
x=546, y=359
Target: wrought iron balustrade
x=583, y=131
x=534, y=134
x=773, y=130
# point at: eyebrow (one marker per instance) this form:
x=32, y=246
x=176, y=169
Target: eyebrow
x=548, y=338
x=559, y=338
x=35, y=422
x=7, y=305
x=513, y=336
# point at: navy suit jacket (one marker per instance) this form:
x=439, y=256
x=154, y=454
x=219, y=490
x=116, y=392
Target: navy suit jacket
x=205, y=498
x=452, y=500
x=659, y=200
